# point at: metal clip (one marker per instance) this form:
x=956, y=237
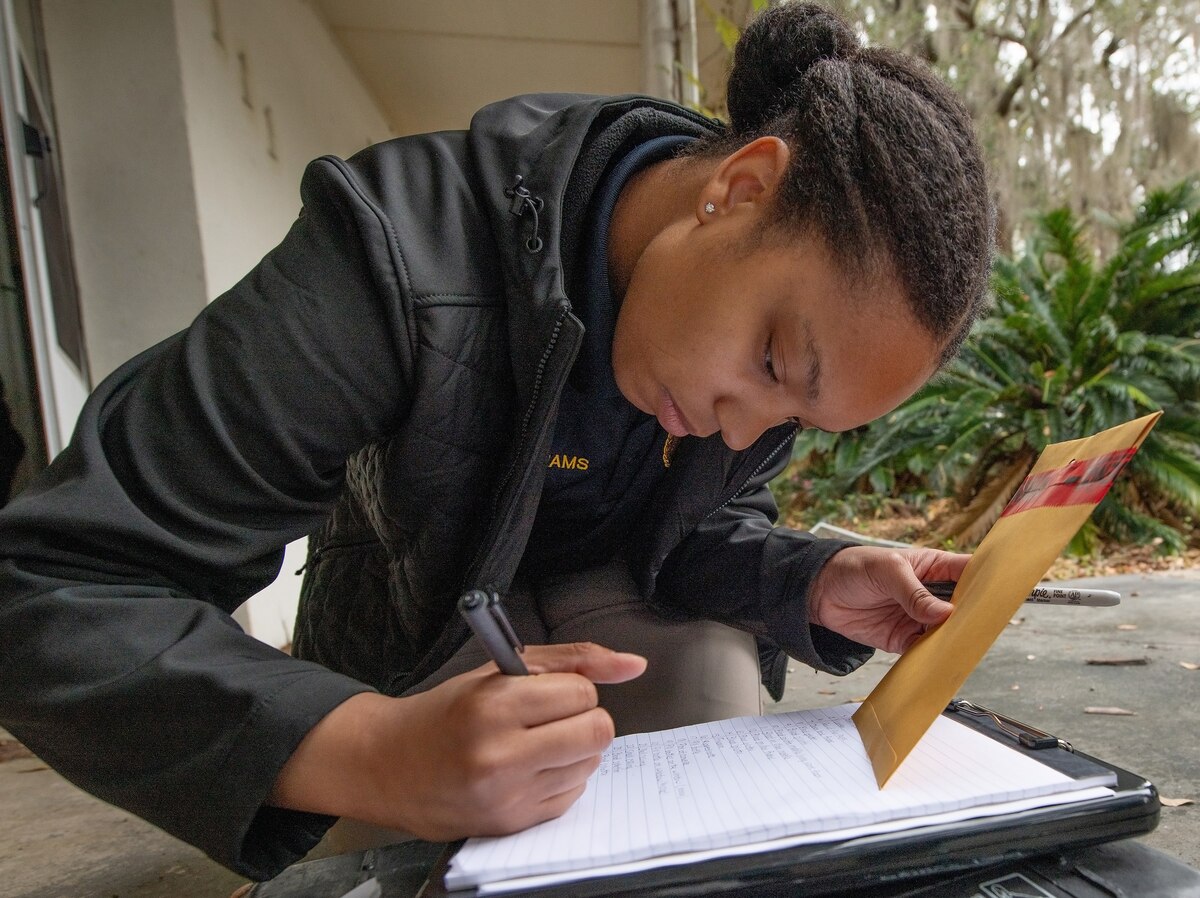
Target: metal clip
x=1029, y=737
x=496, y=610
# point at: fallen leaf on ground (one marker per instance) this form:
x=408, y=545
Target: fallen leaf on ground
x=1175, y=802
x=1118, y=662
x=1016, y=621
x=826, y=692
x=1189, y=665
x=11, y=749
x=1126, y=626
x=1115, y=712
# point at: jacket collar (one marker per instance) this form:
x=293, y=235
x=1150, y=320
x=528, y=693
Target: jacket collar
x=539, y=158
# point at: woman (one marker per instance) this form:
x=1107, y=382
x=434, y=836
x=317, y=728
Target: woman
x=559, y=355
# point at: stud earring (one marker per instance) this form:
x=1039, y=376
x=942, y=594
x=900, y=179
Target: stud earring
x=710, y=208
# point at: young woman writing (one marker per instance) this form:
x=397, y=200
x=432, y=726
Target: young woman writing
x=559, y=355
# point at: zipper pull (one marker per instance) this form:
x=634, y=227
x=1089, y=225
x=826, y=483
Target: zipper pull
x=523, y=201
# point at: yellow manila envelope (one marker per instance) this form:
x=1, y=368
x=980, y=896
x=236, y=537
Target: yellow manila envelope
x=1047, y=509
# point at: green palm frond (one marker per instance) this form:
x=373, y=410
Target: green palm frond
x=1173, y=470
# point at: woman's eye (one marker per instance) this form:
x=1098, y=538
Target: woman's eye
x=769, y=363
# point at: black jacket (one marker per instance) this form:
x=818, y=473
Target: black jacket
x=387, y=377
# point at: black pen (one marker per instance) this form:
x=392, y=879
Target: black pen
x=485, y=616
x=1044, y=595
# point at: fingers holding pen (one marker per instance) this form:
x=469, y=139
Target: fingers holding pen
x=562, y=682
x=525, y=745
x=596, y=662
x=526, y=773
x=482, y=753
x=540, y=701
x=924, y=607
x=876, y=596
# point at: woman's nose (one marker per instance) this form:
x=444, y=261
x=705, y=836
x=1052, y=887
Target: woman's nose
x=742, y=424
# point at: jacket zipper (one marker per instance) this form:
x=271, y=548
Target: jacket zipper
x=456, y=629
x=318, y=554
x=757, y=470
x=538, y=380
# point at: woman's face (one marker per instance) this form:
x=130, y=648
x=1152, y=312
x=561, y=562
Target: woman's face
x=711, y=339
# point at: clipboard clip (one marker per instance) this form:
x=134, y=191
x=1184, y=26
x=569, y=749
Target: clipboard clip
x=1026, y=735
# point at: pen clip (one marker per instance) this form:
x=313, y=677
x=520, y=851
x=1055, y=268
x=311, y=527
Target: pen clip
x=496, y=610
x=1026, y=735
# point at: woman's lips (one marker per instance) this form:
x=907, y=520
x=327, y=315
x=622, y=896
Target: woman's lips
x=671, y=418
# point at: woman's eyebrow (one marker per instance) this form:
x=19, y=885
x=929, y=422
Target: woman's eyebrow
x=812, y=389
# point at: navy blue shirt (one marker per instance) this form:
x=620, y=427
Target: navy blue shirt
x=607, y=455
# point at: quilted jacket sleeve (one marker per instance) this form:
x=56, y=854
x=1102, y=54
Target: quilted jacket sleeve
x=738, y=566
x=190, y=469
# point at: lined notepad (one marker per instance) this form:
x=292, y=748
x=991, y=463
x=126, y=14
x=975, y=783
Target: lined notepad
x=719, y=787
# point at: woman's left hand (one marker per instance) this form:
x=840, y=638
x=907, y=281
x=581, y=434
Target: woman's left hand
x=874, y=595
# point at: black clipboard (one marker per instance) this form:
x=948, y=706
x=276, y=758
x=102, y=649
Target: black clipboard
x=890, y=863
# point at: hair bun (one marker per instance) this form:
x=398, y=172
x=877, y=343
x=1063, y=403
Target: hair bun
x=774, y=54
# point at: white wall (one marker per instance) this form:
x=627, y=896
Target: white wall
x=433, y=64
x=123, y=142
x=175, y=182
x=247, y=64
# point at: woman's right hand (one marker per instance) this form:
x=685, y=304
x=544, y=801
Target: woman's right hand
x=481, y=754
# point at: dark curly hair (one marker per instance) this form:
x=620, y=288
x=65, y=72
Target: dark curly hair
x=885, y=165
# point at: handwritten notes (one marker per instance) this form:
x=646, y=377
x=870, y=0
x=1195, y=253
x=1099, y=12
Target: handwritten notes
x=752, y=780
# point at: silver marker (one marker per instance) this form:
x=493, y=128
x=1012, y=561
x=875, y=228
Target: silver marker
x=1046, y=595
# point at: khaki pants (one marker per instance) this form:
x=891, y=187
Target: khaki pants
x=698, y=670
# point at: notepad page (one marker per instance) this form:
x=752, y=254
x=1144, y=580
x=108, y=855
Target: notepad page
x=750, y=780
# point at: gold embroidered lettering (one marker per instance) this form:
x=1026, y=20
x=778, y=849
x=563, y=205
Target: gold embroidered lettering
x=569, y=462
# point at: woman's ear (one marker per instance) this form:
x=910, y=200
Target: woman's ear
x=750, y=174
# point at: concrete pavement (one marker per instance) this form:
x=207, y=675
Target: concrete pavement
x=57, y=842
x=1037, y=672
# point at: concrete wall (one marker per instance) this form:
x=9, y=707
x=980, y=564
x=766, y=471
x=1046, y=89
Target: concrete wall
x=184, y=129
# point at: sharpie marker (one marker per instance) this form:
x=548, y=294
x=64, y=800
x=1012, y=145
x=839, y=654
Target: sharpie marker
x=485, y=616
x=1045, y=595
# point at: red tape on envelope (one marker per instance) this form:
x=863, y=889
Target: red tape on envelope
x=1077, y=483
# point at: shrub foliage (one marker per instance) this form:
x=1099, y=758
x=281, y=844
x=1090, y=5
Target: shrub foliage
x=1075, y=343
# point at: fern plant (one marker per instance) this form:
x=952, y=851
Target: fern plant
x=1074, y=344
